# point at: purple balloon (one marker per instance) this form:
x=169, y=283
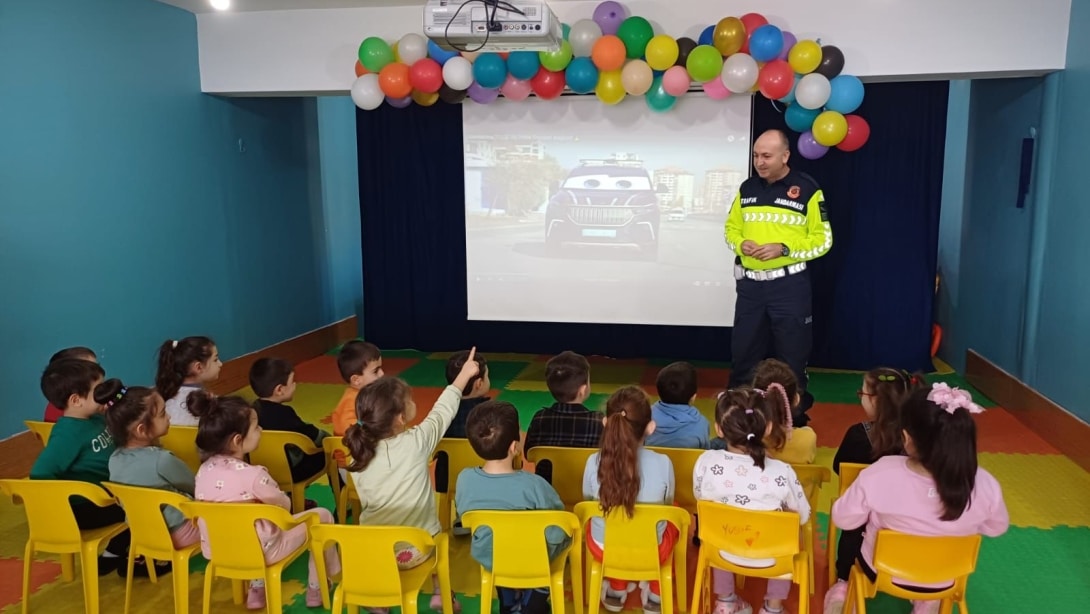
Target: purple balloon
x=789, y=41
x=809, y=148
x=608, y=16
x=482, y=95
x=399, y=103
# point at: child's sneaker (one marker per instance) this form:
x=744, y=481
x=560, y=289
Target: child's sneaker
x=925, y=607
x=835, y=597
x=733, y=606
x=765, y=610
x=437, y=602
x=255, y=599
x=652, y=603
x=314, y=597
x=614, y=600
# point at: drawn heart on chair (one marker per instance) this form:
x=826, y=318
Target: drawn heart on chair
x=750, y=540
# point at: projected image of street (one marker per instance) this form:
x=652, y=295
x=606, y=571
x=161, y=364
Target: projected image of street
x=578, y=212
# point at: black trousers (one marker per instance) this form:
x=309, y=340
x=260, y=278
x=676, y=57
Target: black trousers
x=847, y=551
x=90, y=516
x=773, y=319
x=308, y=466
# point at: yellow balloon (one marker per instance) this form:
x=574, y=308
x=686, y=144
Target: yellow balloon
x=661, y=52
x=610, y=88
x=425, y=99
x=805, y=57
x=830, y=128
x=471, y=55
x=729, y=36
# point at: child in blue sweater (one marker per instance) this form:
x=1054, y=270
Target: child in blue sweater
x=677, y=423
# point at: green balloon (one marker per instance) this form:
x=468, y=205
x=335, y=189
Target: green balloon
x=658, y=99
x=704, y=63
x=375, y=53
x=635, y=33
x=556, y=61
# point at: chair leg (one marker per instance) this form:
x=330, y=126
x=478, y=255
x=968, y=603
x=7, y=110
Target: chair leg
x=180, y=580
x=209, y=574
x=594, y=587
x=666, y=591
x=556, y=593
x=830, y=552
x=238, y=591
x=409, y=602
x=89, y=565
x=298, y=499
x=810, y=552
x=130, y=564
x=849, y=594
x=68, y=567
x=698, y=581
x=28, y=560
x=804, y=592
x=274, y=593
x=317, y=554
x=946, y=606
x=486, y=591
x=442, y=569
x=575, y=558
x=681, y=573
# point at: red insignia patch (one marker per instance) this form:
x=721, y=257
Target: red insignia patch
x=794, y=191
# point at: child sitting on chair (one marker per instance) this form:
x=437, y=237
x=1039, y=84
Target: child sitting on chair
x=475, y=393
x=185, y=366
x=52, y=412
x=567, y=423
x=677, y=423
x=273, y=381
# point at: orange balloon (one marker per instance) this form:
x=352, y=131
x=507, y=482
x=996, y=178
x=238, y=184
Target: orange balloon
x=608, y=53
x=394, y=80
x=360, y=70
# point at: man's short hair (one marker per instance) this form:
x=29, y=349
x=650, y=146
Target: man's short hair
x=457, y=361
x=565, y=374
x=355, y=356
x=268, y=373
x=491, y=427
x=676, y=383
x=67, y=377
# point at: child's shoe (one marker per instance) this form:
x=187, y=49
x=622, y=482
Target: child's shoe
x=652, y=603
x=255, y=599
x=437, y=602
x=925, y=607
x=765, y=610
x=614, y=600
x=835, y=597
x=732, y=606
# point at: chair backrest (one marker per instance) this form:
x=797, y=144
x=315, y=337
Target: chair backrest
x=812, y=478
x=334, y=448
x=459, y=455
x=182, y=442
x=632, y=544
x=144, y=514
x=567, y=470
x=373, y=572
x=272, y=454
x=683, y=460
x=519, y=551
x=40, y=429
x=917, y=560
x=231, y=533
x=848, y=473
x=750, y=534
x=48, y=512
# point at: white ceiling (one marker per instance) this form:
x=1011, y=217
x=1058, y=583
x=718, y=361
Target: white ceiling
x=203, y=6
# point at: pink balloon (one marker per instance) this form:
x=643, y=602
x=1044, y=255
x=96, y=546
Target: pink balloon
x=676, y=81
x=716, y=89
x=515, y=89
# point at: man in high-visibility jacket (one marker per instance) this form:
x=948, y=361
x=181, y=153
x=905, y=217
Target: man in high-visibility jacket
x=776, y=225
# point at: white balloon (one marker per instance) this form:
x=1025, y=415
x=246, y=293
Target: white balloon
x=584, y=33
x=740, y=73
x=366, y=92
x=813, y=91
x=412, y=47
x=458, y=73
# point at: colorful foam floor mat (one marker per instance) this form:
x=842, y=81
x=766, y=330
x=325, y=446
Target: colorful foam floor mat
x=1038, y=565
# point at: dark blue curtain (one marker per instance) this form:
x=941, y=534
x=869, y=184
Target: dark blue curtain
x=872, y=295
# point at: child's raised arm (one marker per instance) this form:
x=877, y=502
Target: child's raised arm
x=431, y=430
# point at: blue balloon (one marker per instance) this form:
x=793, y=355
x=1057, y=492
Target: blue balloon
x=489, y=70
x=581, y=75
x=439, y=54
x=800, y=119
x=707, y=36
x=846, y=94
x=523, y=64
x=790, y=97
x=566, y=29
x=766, y=43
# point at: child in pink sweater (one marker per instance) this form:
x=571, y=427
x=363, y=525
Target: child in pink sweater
x=227, y=432
x=936, y=490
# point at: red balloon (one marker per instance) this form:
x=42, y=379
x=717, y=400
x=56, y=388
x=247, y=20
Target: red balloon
x=776, y=80
x=858, y=133
x=751, y=21
x=426, y=75
x=360, y=70
x=547, y=84
x=393, y=79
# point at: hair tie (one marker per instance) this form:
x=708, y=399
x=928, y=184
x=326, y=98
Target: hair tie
x=624, y=413
x=786, y=403
x=952, y=399
x=117, y=397
x=750, y=436
x=749, y=411
x=174, y=344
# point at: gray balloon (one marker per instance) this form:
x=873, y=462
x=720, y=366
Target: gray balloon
x=584, y=33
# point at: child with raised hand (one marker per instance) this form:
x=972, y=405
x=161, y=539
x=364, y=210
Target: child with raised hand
x=475, y=393
x=390, y=459
x=786, y=442
x=52, y=412
x=937, y=489
x=227, y=432
x=620, y=475
x=185, y=366
x=743, y=475
x=137, y=418
x=864, y=442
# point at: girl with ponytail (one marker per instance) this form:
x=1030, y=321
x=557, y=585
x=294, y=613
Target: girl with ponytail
x=791, y=444
x=743, y=475
x=936, y=489
x=620, y=475
x=185, y=365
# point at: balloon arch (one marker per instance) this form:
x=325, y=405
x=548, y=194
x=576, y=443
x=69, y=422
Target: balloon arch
x=613, y=55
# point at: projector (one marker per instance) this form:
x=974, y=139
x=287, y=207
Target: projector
x=492, y=25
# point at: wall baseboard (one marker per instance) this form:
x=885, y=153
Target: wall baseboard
x=1037, y=412
x=235, y=373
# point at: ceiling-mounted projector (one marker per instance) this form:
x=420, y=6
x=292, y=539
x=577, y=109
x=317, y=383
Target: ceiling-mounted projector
x=492, y=25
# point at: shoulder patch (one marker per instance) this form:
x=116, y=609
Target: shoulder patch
x=821, y=206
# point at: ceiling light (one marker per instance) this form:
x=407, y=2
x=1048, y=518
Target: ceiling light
x=220, y=5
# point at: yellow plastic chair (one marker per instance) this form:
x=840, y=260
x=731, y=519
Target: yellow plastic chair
x=460, y=455
x=53, y=529
x=919, y=561
x=753, y=535
x=683, y=459
x=40, y=429
x=151, y=538
x=182, y=442
x=848, y=473
x=332, y=445
x=272, y=455
x=373, y=579
x=237, y=553
x=631, y=551
x=520, y=557
x=812, y=478
x=568, y=466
